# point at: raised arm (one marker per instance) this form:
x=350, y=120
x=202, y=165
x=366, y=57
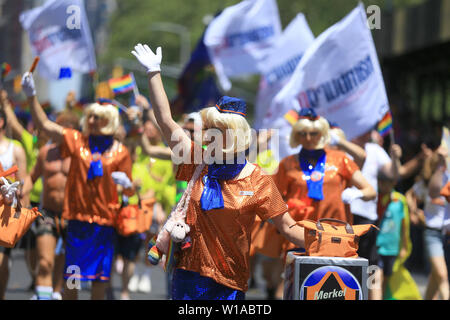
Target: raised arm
x=394, y=168
x=172, y=132
x=13, y=122
x=51, y=129
x=436, y=182
x=20, y=160
x=159, y=152
x=35, y=173
x=358, y=153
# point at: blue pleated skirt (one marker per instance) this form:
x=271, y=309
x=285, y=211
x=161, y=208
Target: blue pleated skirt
x=188, y=285
x=89, y=251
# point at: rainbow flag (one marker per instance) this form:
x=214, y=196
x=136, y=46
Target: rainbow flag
x=6, y=68
x=385, y=125
x=123, y=84
x=292, y=117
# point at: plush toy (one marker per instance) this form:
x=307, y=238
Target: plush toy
x=9, y=191
x=175, y=230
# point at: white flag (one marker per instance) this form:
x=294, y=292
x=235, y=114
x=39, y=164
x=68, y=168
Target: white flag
x=340, y=77
x=276, y=72
x=59, y=34
x=240, y=38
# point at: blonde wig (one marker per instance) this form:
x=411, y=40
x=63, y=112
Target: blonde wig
x=339, y=132
x=106, y=111
x=320, y=124
x=235, y=126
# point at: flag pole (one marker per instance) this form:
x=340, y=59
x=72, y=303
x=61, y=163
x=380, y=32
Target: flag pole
x=120, y=106
x=391, y=135
x=135, y=87
x=391, y=132
x=35, y=62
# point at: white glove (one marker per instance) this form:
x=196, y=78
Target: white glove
x=28, y=85
x=147, y=58
x=334, y=138
x=9, y=191
x=121, y=178
x=348, y=195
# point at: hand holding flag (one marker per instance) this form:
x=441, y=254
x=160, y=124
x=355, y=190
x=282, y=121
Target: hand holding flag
x=28, y=86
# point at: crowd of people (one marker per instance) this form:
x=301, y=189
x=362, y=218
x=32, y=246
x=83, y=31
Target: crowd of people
x=81, y=170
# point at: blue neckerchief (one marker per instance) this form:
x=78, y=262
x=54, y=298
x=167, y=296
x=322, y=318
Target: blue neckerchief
x=98, y=145
x=315, y=174
x=212, y=193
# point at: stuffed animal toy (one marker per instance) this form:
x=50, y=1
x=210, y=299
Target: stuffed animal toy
x=175, y=229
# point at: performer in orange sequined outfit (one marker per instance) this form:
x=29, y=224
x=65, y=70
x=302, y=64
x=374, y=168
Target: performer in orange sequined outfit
x=314, y=182
x=98, y=163
x=222, y=210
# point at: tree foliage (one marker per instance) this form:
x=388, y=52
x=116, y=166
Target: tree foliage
x=133, y=22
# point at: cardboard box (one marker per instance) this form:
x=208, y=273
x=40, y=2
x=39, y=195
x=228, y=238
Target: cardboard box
x=325, y=278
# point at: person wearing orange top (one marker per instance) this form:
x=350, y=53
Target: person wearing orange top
x=98, y=163
x=314, y=182
x=225, y=199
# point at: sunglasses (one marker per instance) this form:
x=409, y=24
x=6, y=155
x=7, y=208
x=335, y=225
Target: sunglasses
x=96, y=117
x=311, y=134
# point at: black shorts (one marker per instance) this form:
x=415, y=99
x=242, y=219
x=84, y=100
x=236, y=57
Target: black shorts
x=5, y=251
x=367, y=243
x=28, y=241
x=387, y=263
x=128, y=247
x=50, y=223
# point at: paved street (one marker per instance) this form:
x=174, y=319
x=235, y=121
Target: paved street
x=20, y=280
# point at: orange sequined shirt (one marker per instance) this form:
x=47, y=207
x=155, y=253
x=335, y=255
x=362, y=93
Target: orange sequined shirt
x=93, y=200
x=221, y=237
x=339, y=170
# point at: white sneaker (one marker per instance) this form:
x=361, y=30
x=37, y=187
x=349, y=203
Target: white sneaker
x=145, y=285
x=119, y=266
x=124, y=297
x=56, y=296
x=133, y=283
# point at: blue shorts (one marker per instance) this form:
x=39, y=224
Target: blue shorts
x=188, y=285
x=89, y=251
x=434, y=242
